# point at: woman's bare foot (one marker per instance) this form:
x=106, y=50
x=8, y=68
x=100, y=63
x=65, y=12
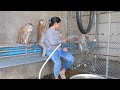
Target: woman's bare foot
x=62, y=74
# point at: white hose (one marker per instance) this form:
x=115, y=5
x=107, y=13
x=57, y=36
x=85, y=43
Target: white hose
x=48, y=60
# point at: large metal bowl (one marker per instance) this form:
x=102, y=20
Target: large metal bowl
x=86, y=76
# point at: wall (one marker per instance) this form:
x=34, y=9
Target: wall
x=103, y=27
x=12, y=21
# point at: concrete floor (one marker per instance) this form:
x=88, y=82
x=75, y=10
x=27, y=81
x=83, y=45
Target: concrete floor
x=69, y=73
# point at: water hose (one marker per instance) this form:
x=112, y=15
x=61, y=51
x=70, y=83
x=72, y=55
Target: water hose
x=48, y=60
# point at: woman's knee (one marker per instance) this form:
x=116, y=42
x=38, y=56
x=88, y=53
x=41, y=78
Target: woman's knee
x=70, y=58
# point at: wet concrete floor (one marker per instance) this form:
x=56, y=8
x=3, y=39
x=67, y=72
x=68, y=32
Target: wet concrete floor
x=68, y=73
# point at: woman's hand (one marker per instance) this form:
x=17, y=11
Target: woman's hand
x=65, y=49
x=64, y=40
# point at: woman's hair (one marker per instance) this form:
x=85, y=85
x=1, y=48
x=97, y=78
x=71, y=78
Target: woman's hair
x=54, y=20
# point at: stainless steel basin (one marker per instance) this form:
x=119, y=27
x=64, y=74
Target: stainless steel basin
x=86, y=76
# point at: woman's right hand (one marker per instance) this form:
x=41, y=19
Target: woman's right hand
x=65, y=49
x=64, y=40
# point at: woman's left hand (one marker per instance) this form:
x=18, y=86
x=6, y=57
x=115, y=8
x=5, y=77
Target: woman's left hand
x=65, y=49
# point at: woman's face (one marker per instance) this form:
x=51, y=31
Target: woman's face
x=57, y=26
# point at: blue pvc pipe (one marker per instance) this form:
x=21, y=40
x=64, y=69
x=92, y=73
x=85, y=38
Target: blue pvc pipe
x=33, y=49
x=7, y=51
x=19, y=47
x=19, y=52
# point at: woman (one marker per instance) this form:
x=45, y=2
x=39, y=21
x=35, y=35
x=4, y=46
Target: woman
x=52, y=40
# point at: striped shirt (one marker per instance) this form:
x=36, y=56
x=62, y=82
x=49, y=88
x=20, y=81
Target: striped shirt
x=52, y=39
